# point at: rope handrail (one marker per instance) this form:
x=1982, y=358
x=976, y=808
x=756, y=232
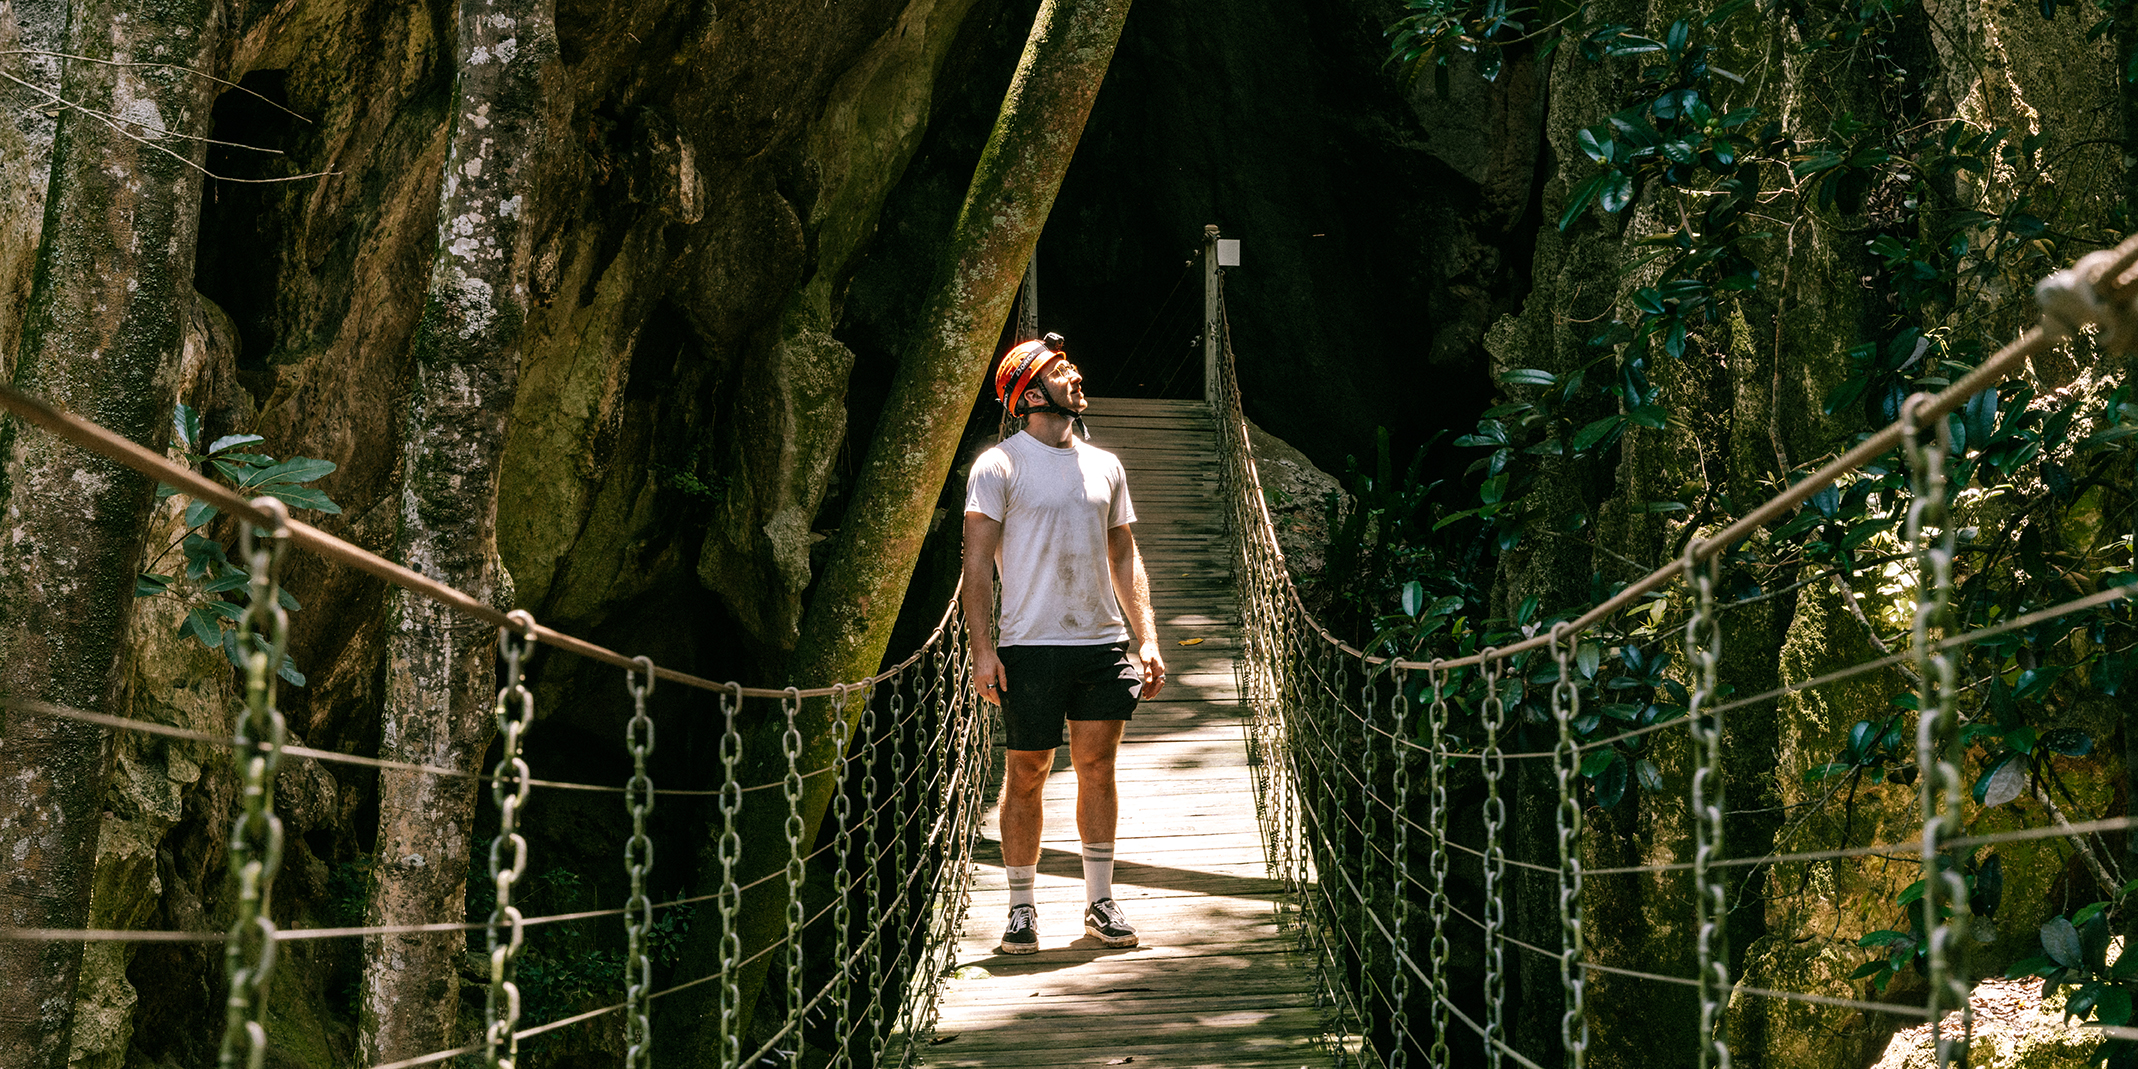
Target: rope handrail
x=2120, y=284
x=116, y=447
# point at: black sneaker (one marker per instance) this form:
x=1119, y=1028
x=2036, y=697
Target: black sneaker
x=1103, y=919
x=1022, y=935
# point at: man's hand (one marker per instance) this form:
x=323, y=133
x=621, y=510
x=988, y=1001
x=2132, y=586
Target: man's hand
x=988, y=677
x=1154, y=671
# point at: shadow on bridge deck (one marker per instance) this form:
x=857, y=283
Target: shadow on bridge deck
x=1216, y=982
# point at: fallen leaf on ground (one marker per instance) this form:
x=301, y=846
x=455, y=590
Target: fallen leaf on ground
x=1191, y=642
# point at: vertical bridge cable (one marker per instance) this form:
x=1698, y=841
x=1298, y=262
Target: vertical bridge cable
x=873, y=900
x=842, y=814
x=1369, y=705
x=1703, y=650
x=730, y=852
x=638, y=860
x=1335, y=798
x=256, y=835
x=511, y=788
x=1437, y=771
x=1399, y=891
x=1566, y=708
x=791, y=748
x=1495, y=712
x=1938, y=750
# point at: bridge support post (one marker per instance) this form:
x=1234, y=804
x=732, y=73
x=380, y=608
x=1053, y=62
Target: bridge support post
x=1213, y=386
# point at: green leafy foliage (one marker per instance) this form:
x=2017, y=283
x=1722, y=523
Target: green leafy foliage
x=2074, y=954
x=207, y=572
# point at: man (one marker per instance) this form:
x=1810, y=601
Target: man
x=1053, y=513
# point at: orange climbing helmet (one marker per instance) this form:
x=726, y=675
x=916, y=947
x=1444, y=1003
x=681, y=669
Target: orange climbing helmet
x=1024, y=363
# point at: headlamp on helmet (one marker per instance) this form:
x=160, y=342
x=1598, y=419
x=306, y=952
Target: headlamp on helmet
x=1020, y=367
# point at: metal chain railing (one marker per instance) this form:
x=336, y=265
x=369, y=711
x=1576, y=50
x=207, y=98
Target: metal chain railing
x=638, y=859
x=906, y=805
x=1566, y=709
x=1938, y=749
x=1711, y=903
x=510, y=790
x=256, y=834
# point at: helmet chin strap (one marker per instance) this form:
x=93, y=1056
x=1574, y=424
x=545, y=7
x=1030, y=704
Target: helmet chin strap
x=1053, y=407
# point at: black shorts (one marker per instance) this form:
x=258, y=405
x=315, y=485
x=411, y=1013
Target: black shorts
x=1051, y=684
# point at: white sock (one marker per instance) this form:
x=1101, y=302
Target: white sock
x=1098, y=871
x=1021, y=880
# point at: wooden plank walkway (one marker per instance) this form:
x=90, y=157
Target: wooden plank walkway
x=1216, y=982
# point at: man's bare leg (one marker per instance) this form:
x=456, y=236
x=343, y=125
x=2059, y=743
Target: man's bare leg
x=1024, y=782
x=1093, y=745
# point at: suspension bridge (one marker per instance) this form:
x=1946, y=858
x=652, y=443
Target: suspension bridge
x=1323, y=847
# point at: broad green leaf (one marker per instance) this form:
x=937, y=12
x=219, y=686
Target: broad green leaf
x=1596, y=432
x=2060, y=941
x=202, y=626
x=1818, y=772
x=1860, y=736
x=293, y=470
x=149, y=584
x=229, y=440
x=2021, y=739
x=185, y=423
x=1587, y=659
x=1413, y=598
x=2034, y=682
x=2071, y=742
x=2029, y=967
x=199, y=512
x=2094, y=940
x=1617, y=192
x=1884, y=937
x=233, y=581
x=1979, y=416
x=1910, y=893
x=1593, y=146
x=302, y=497
x=1583, y=195
x=1650, y=775
x=1596, y=761
x=2114, y=1006
x=1528, y=376
x=2005, y=780
x=1653, y=417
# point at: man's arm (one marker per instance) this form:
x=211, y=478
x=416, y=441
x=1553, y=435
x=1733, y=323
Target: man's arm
x=983, y=536
x=1132, y=588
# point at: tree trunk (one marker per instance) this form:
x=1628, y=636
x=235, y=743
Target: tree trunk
x=856, y=603
x=440, y=671
x=101, y=337
x=25, y=153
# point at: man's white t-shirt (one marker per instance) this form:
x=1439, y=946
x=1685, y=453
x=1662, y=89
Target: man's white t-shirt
x=1056, y=506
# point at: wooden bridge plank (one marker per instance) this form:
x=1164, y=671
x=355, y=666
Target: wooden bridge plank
x=1218, y=981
